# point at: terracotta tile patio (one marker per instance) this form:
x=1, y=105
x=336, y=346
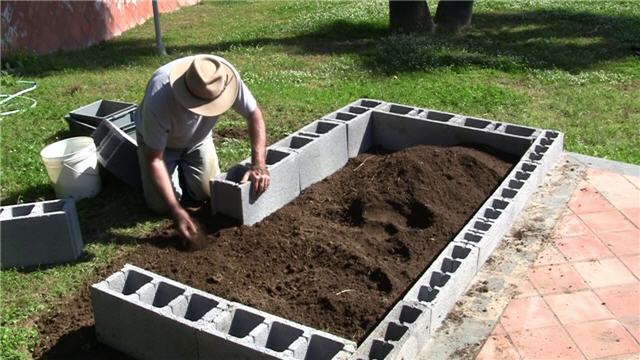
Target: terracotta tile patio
x=581, y=297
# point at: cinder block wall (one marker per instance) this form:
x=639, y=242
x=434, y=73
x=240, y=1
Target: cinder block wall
x=41, y=27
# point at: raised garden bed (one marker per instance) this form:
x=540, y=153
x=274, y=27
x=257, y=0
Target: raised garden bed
x=349, y=248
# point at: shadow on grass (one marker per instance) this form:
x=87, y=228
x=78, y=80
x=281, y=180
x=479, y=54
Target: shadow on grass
x=544, y=39
x=115, y=206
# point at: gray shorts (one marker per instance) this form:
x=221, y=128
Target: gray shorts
x=192, y=167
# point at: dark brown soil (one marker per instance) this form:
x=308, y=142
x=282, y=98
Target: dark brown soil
x=337, y=258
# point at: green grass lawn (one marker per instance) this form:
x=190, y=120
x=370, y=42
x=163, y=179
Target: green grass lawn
x=561, y=65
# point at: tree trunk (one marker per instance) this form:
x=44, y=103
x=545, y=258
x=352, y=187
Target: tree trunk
x=409, y=16
x=156, y=22
x=453, y=15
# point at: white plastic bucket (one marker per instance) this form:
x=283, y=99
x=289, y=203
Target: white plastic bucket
x=72, y=165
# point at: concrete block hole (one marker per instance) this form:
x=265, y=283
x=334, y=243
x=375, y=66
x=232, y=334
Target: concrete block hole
x=50, y=207
x=515, y=184
x=492, y=214
x=509, y=193
x=427, y=294
x=275, y=156
x=541, y=149
x=368, y=103
x=22, y=210
x=236, y=173
x=297, y=142
x=379, y=349
x=243, y=323
x=519, y=130
x=476, y=123
x=343, y=116
x=499, y=204
x=322, y=127
x=133, y=282
x=449, y=265
x=535, y=157
x=321, y=348
x=399, y=109
x=281, y=336
x=472, y=237
x=438, y=279
x=408, y=314
x=438, y=116
x=197, y=307
x=550, y=135
x=546, y=141
x=528, y=167
x=357, y=110
x=482, y=226
x=163, y=294
x=395, y=332
x=460, y=252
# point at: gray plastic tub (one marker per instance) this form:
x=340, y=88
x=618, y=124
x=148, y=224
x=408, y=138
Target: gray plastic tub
x=95, y=112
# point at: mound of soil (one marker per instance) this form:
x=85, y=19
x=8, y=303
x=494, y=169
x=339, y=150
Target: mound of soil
x=337, y=258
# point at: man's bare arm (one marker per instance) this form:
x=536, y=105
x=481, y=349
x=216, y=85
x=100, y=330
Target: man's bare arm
x=258, y=174
x=160, y=179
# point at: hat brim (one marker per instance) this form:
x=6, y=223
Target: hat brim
x=200, y=106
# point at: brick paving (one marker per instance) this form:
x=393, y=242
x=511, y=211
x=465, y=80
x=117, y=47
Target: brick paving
x=581, y=297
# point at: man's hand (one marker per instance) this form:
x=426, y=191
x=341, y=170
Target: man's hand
x=260, y=179
x=187, y=229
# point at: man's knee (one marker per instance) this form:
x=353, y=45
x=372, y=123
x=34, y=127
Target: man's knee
x=201, y=166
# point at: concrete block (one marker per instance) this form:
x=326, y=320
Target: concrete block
x=394, y=132
x=232, y=335
x=117, y=152
x=132, y=319
x=400, y=335
x=444, y=281
x=357, y=116
x=39, y=233
x=546, y=150
x=150, y=317
x=359, y=130
x=247, y=333
x=230, y=197
x=321, y=147
x=268, y=336
x=494, y=218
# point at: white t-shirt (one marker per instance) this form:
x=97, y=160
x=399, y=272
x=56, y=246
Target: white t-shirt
x=164, y=123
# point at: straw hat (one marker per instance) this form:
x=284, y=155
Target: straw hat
x=204, y=84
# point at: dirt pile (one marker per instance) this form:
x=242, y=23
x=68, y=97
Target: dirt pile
x=342, y=253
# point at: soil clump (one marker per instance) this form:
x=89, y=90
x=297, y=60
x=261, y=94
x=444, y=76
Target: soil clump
x=336, y=258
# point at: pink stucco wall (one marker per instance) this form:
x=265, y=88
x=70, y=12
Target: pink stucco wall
x=40, y=27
